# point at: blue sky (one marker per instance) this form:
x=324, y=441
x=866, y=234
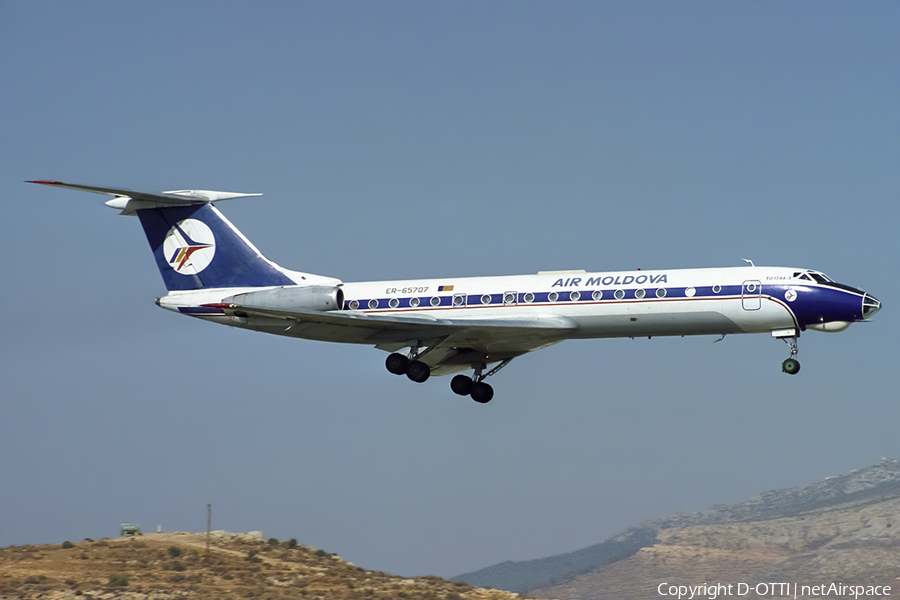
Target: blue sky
x=400, y=140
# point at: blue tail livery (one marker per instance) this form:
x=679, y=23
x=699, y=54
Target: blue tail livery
x=196, y=247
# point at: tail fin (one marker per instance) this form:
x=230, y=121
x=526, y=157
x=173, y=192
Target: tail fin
x=194, y=245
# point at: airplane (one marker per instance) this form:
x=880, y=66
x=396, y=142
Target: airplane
x=447, y=325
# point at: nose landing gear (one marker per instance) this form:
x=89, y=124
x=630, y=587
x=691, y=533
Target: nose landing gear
x=791, y=366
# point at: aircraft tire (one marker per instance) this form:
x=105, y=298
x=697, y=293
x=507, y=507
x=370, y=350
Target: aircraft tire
x=396, y=363
x=481, y=392
x=462, y=385
x=418, y=371
x=790, y=366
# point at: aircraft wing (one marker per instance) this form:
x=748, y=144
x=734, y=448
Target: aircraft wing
x=454, y=344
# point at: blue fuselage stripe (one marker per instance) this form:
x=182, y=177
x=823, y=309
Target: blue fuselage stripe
x=815, y=304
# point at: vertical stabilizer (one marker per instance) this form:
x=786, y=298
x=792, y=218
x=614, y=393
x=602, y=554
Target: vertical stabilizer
x=196, y=247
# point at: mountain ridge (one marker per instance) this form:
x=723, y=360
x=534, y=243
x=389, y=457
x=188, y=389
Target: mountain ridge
x=872, y=484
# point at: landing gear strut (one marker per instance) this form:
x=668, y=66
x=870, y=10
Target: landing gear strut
x=791, y=366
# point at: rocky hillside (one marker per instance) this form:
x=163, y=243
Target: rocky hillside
x=176, y=566
x=858, y=546
x=823, y=528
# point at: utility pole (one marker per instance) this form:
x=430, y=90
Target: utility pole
x=208, y=527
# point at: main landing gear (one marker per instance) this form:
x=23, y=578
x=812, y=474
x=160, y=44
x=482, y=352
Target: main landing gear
x=475, y=387
x=791, y=366
x=418, y=371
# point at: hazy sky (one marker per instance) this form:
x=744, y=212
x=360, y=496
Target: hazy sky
x=400, y=140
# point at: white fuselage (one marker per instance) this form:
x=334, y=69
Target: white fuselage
x=603, y=304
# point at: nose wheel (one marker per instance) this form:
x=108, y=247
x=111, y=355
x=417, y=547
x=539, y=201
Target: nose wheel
x=791, y=365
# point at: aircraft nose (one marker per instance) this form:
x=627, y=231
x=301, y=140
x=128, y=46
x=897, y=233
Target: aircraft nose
x=871, y=305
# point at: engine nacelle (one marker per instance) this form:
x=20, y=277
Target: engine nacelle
x=307, y=297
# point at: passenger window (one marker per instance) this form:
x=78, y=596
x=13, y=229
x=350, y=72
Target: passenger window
x=619, y=294
x=639, y=293
x=552, y=296
x=597, y=295
x=486, y=299
x=354, y=304
x=575, y=296
x=435, y=301
x=413, y=302
x=373, y=303
x=394, y=303
x=661, y=293
x=529, y=297
x=717, y=288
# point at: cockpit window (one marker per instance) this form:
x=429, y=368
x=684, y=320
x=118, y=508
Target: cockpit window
x=819, y=277
x=813, y=276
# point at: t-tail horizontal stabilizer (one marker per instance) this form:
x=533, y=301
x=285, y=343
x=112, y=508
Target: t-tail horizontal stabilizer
x=195, y=246
x=131, y=201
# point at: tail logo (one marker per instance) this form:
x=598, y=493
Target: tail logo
x=189, y=246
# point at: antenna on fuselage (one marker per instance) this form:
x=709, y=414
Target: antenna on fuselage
x=747, y=260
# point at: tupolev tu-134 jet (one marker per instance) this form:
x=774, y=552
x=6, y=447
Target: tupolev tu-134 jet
x=443, y=326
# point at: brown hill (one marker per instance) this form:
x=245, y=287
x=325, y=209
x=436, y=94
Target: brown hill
x=850, y=545
x=172, y=566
